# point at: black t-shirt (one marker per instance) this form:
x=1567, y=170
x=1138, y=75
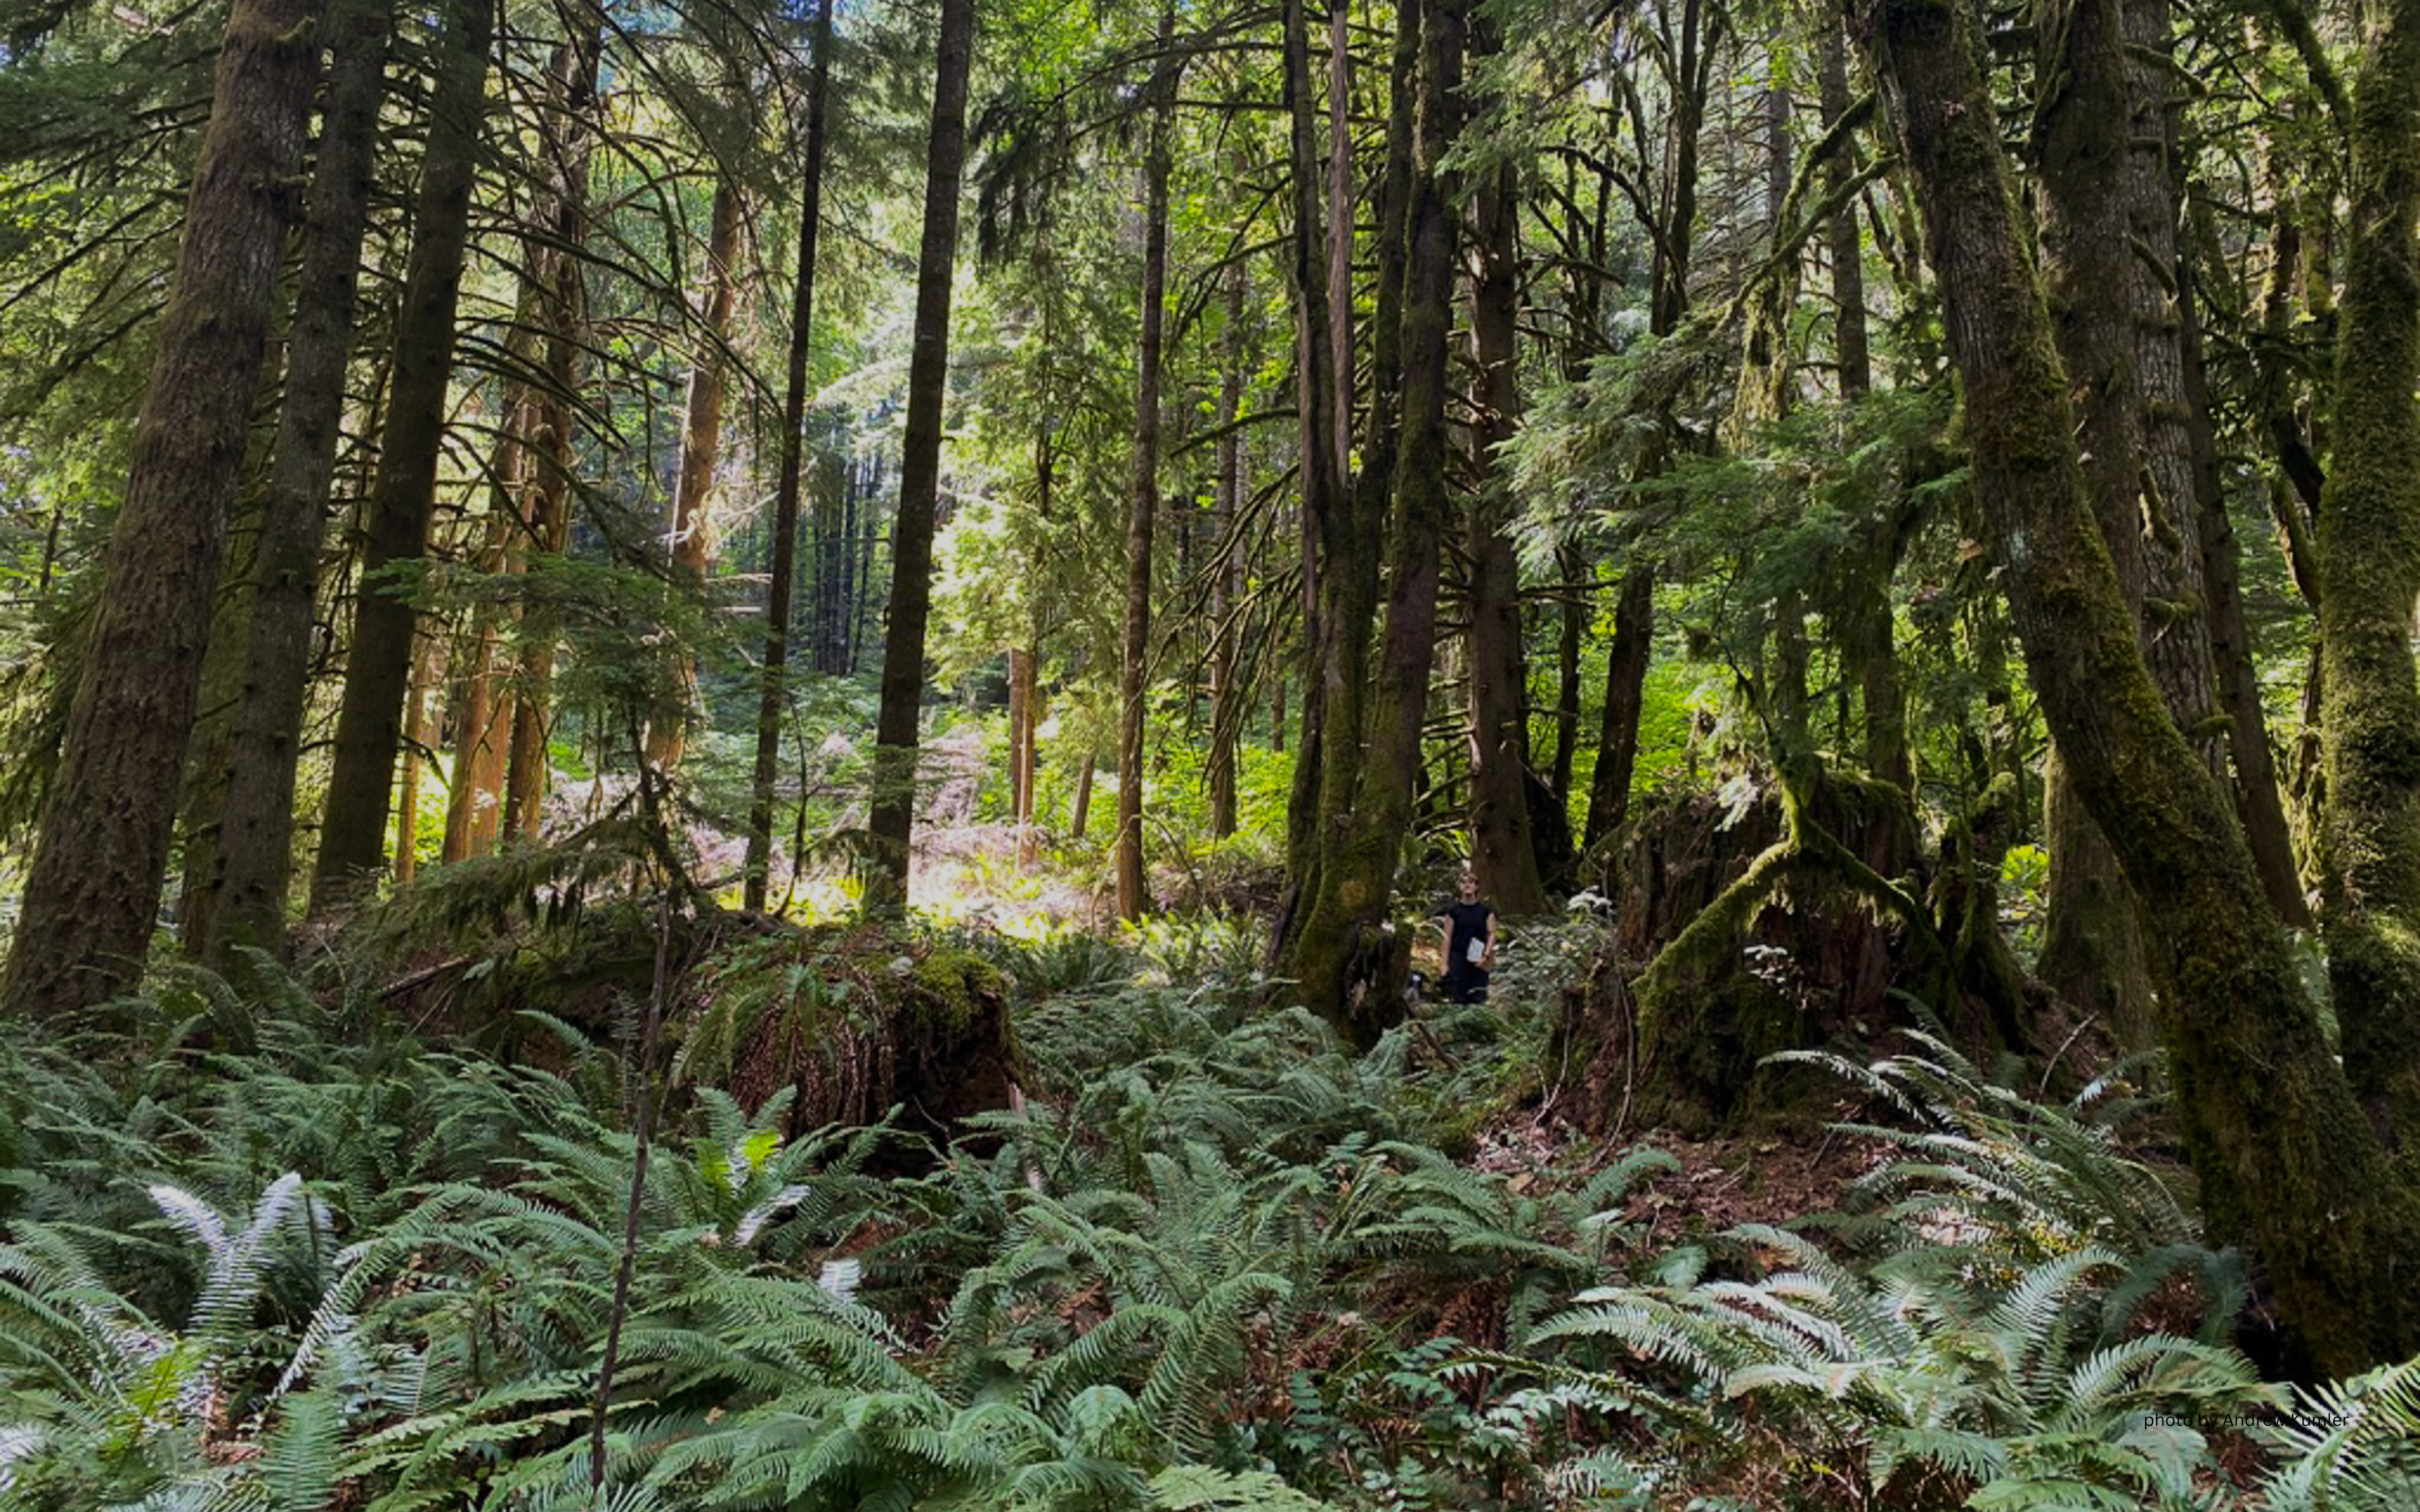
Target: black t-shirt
x=1465, y=923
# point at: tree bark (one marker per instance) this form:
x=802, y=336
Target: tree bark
x=2370, y=561
x=208, y=749
x=2176, y=609
x=1340, y=232
x=2093, y=953
x=692, y=533
x=1869, y=641
x=2335, y=1228
x=1626, y=660
x=482, y=713
x=255, y=847
x=1341, y=950
x=1320, y=481
x=1142, y=503
x=563, y=305
x=1227, y=709
x=369, y=725
x=93, y=888
x=772, y=701
x=893, y=819
x=425, y=664
x=1503, y=849
x=1625, y=693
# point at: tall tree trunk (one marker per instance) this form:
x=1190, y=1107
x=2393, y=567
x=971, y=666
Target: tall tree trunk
x=369, y=727
x=93, y=888
x=1339, y=232
x=2369, y=561
x=835, y=516
x=773, y=698
x=563, y=304
x=1342, y=951
x=425, y=664
x=2092, y=948
x=1868, y=639
x=1024, y=712
x=1503, y=849
x=1226, y=708
x=893, y=819
x=1574, y=564
x=1625, y=690
x=2176, y=611
x=1143, y=505
x=1320, y=480
x=864, y=532
x=255, y=847
x=1345, y=523
x=2260, y=799
x=692, y=533
x=483, y=711
x=2336, y=1228
x=1571, y=611
x=2258, y=802
x=208, y=750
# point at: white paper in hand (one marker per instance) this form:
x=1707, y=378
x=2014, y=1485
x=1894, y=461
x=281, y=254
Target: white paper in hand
x=1474, y=951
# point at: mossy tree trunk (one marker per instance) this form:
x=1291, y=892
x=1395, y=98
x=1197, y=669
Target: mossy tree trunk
x=1343, y=525
x=2092, y=945
x=2176, y=616
x=1326, y=654
x=2369, y=564
x=1338, y=947
x=93, y=888
x=2338, y=1232
x=1691, y=1050
x=2260, y=802
x=1503, y=845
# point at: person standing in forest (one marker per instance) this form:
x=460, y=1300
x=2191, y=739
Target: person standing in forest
x=1469, y=942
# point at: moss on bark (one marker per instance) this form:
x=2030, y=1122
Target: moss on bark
x=1803, y=945
x=2340, y=1234
x=2370, y=561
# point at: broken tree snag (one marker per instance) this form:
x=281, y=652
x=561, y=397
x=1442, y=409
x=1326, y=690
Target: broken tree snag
x=1784, y=927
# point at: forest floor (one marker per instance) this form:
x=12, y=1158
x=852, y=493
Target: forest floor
x=1762, y=1178
x=970, y=872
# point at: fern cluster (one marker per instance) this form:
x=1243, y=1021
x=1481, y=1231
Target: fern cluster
x=277, y=1251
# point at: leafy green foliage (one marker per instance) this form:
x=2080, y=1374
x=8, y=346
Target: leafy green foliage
x=1212, y=1261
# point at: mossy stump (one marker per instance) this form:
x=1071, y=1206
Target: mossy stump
x=1731, y=944
x=858, y=1024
